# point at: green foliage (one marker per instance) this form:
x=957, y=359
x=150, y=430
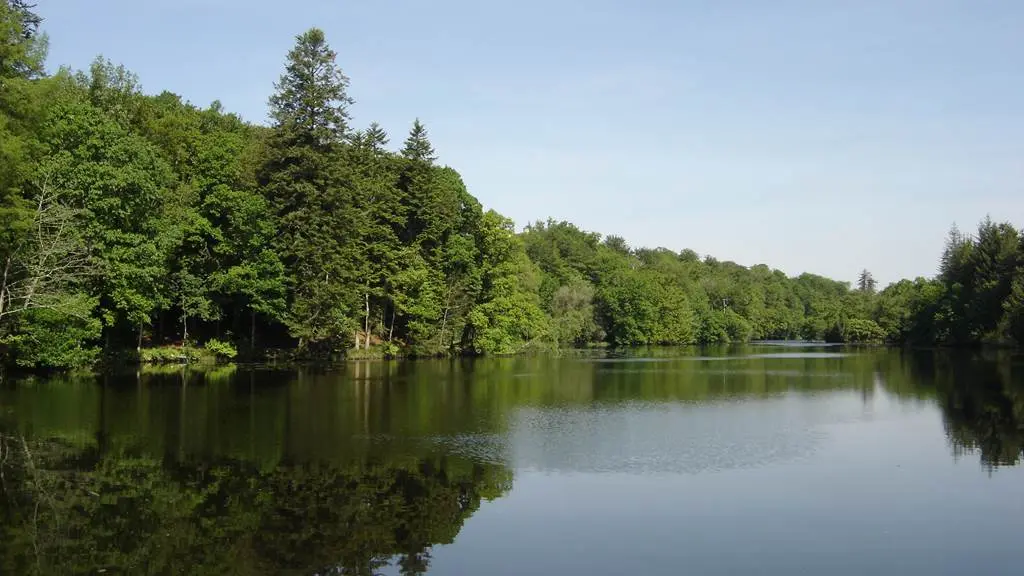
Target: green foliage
x=311, y=194
x=866, y=283
x=212, y=352
x=508, y=317
x=121, y=185
x=736, y=327
x=976, y=298
x=645, y=309
x=573, y=314
x=1013, y=321
x=979, y=277
x=181, y=224
x=647, y=296
x=906, y=311
x=310, y=104
x=169, y=355
x=222, y=350
x=417, y=146
x=862, y=331
x=22, y=47
x=56, y=337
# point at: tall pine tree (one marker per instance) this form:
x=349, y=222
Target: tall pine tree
x=866, y=283
x=311, y=193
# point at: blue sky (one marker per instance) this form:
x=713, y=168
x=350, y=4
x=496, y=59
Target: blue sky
x=821, y=136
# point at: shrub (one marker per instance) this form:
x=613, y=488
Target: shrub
x=222, y=350
x=59, y=337
x=168, y=355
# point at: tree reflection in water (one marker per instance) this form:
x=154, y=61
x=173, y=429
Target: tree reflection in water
x=68, y=511
x=367, y=469
x=982, y=400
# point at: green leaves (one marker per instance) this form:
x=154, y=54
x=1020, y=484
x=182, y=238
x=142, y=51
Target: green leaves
x=59, y=335
x=572, y=314
x=863, y=331
x=508, y=317
x=22, y=48
x=978, y=278
x=195, y=224
x=120, y=184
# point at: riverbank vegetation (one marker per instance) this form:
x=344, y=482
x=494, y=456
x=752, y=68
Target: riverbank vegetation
x=132, y=221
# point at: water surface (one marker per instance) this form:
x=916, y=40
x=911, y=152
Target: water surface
x=764, y=459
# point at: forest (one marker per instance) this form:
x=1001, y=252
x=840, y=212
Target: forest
x=132, y=222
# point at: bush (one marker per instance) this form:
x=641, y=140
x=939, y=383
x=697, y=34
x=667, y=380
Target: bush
x=222, y=350
x=60, y=337
x=168, y=355
x=390, y=350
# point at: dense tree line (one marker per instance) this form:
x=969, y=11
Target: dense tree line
x=977, y=298
x=130, y=220
x=598, y=289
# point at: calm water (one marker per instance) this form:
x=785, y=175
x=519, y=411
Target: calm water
x=762, y=459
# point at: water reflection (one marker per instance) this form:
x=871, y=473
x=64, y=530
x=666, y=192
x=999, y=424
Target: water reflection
x=69, y=511
x=982, y=400
x=371, y=465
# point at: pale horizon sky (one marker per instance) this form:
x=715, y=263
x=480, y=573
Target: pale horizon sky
x=812, y=136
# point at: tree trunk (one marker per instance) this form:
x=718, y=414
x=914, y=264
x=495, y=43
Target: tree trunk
x=444, y=322
x=138, y=346
x=366, y=321
x=3, y=285
x=391, y=330
x=184, y=329
x=444, y=319
x=252, y=329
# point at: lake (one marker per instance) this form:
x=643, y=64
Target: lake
x=766, y=459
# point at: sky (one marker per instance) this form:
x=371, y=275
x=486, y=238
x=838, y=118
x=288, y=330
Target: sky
x=812, y=136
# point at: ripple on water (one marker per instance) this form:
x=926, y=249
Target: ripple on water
x=668, y=438
x=485, y=448
x=796, y=355
x=767, y=356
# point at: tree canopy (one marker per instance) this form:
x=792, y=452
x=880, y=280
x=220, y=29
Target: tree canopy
x=130, y=220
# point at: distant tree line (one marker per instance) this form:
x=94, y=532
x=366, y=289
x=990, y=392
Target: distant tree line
x=977, y=298
x=130, y=220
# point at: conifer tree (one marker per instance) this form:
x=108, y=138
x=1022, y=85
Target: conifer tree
x=22, y=47
x=417, y=145
x=311, y=192
x=310, y=105
x=380, y=221
x=866, y=283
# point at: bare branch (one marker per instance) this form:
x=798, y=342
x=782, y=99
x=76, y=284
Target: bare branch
x=48, y=262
